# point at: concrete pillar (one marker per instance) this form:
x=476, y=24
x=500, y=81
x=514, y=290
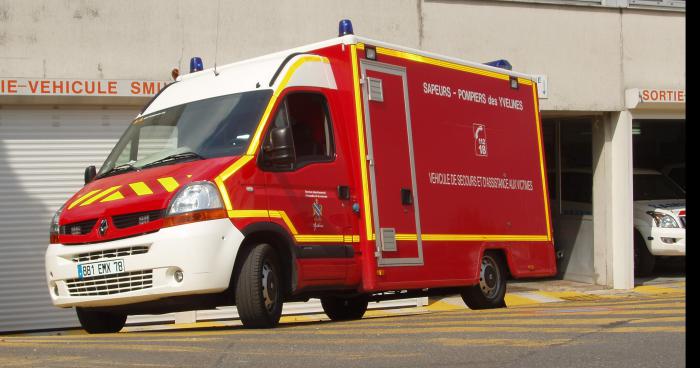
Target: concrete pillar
x=613, y=236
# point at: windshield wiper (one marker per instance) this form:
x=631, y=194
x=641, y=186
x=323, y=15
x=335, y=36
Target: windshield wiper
x=175, y=157
x=118, y=170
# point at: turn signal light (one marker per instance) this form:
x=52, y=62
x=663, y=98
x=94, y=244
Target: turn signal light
x=194, y=216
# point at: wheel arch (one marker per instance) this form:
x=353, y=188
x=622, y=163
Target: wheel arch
x=280, y=240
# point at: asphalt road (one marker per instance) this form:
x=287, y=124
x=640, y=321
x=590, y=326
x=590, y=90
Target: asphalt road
x=621, y=331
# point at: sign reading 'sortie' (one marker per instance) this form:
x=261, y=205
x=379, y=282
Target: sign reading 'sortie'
x=79, y=87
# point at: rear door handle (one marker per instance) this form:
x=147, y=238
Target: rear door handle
x=406, y=197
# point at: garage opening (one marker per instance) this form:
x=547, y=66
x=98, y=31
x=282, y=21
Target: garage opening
x=659, y=190
x=569, y=153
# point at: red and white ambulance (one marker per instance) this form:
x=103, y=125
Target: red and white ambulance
x=349, y=170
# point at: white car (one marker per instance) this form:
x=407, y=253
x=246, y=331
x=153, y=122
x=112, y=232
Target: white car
x=659, y=219
x=659, y=213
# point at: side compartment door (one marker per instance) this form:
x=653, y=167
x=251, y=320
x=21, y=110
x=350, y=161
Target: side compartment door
x=392, y=168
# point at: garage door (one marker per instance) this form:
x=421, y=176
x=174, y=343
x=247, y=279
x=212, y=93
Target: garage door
x=43, y=154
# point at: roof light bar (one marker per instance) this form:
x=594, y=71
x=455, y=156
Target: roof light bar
x=501, y=63
x=345, y=28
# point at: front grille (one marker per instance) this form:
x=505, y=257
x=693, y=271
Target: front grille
x=110, y=253
x=111, y=284
x=78, y=228
x=137, y=218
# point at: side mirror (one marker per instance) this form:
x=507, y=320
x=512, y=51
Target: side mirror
x=280, y=148
x=90, y=173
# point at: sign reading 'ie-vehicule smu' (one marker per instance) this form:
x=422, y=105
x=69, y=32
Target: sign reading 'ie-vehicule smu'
x=79, y=87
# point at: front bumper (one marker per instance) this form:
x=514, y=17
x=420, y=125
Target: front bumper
x=204, y=251
x=658, y=247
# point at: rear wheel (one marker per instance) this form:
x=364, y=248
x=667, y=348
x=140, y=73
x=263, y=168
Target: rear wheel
x=643, y=259
x=491, y=290
x=95, y=322
x=344, y=309
x=259, y=288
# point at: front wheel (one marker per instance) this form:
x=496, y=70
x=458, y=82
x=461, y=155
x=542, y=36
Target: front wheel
x=491, y=290
x=95, y=322
x=344, y=309
x=259, y=288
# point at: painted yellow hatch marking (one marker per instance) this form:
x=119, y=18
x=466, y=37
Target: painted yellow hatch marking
x=82, y=198
x=115, y=196
x=169, y=183
x=140, y=188
x=102, y=194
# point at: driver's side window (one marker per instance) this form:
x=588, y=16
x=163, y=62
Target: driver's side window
x=300, y=133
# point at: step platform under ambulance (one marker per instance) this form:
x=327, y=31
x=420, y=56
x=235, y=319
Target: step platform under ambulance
x=349, y=170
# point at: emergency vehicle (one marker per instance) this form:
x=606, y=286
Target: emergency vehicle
x=349, y=170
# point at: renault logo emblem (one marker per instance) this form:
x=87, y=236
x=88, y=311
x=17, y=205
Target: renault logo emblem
x=103, y=227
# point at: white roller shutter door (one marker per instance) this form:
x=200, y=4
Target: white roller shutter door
x=43, y=155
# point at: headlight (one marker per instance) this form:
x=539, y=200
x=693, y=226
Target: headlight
x=198, y=201
x=663, y=220
x=54, y=230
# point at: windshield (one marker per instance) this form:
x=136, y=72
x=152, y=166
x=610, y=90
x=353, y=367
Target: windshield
x=648, y=187
x=214, y=127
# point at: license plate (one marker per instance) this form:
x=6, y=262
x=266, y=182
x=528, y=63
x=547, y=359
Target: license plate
x=110, y=267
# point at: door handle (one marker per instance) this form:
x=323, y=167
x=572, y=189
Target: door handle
x=343, y=192
x=406, y=197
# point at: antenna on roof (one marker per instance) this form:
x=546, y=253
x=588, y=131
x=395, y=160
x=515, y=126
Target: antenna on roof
x=216, y=50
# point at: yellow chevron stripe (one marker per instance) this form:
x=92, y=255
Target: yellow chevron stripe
x=100, y=195
x=114, y=197
x=140, y=188
x=82, y=198
x=169, y=183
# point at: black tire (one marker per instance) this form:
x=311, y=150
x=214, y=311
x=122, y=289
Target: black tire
x=491, y=290
x=259, y=288
x=644, y=261
x=95, y=322
x=344, y=309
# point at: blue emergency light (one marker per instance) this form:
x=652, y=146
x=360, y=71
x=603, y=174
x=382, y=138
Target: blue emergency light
x=196, y=64
x=344, y=27
x=501, y=63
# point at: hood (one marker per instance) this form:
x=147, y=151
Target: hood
x=674, y=206
x=131, y=203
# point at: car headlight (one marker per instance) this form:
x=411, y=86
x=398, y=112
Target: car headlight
x=198, y=201
x=663, y=220
x=55, y=229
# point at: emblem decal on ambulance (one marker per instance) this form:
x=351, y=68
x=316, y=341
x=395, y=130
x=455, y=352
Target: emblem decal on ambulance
x=318, y=214
x=480, y=148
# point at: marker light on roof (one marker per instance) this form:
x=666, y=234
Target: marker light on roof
x=196, y=64
x=345, y=27
x=501, y=63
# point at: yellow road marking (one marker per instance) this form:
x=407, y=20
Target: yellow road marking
x=523, y=343
x=513, y=300
x=443, y=306
x=652, y=289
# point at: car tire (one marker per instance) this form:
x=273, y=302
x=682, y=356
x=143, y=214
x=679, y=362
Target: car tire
x=490, y=292
x=644, y=261
x=344, y=309
x=97, y=322
x=259, y=288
